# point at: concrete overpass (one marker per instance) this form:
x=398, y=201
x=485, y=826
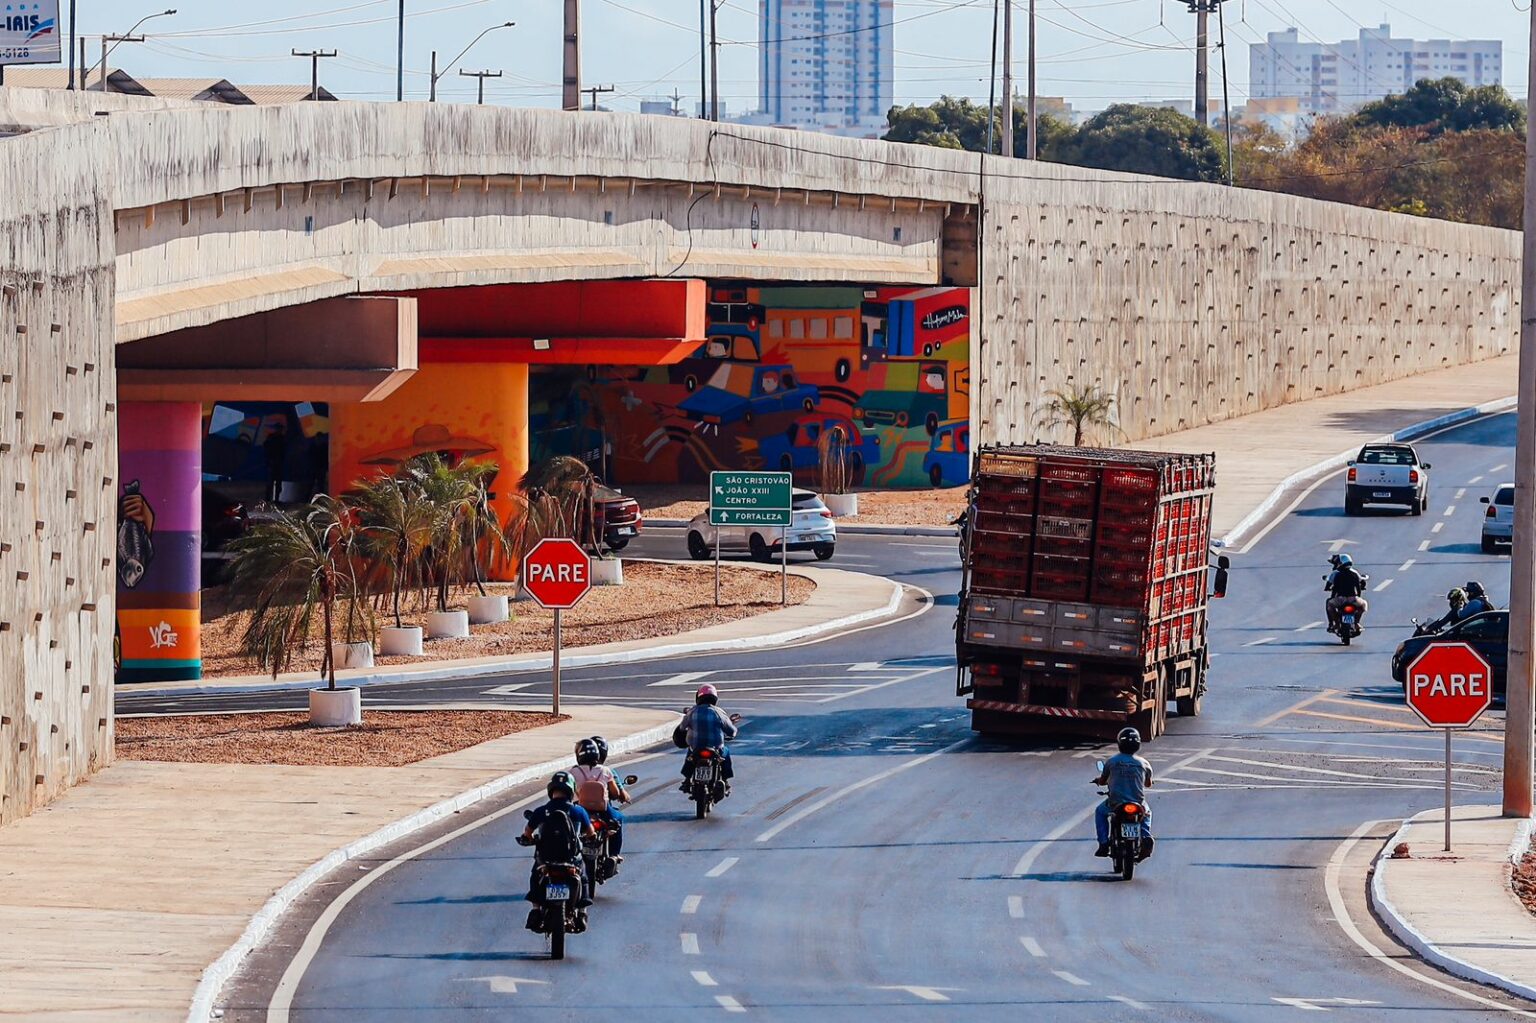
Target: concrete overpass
x=157, y=221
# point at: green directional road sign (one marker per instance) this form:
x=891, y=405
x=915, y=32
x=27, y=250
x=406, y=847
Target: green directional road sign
x=750, y=498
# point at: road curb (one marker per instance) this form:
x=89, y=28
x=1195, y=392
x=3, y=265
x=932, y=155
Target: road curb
x=216, y=975
x=1327, y=465
x=851, y=528
x=1421, y=945
x=568, y=659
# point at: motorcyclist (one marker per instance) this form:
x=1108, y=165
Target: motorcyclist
x=1477, y=600
x=1457, y=599
x=706, y=726
x=1345, y=583
x=598, y=788
x=1126, y=776
x=562, y=795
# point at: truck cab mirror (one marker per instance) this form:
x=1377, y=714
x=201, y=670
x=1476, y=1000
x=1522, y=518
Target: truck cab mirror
x=1350, y=462
x=1425, y=465
x=1219, y=588
x=1483, y=500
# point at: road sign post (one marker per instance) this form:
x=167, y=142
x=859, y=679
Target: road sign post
x=557, y=574
x=1449, y=685
x=753, y=499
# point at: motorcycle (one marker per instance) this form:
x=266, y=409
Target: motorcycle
x=1350, y=613
x=1125, y=837
x=601, y=865
x=558, y=913
x=706, y=784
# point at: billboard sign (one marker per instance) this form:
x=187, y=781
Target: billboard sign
x=29, y=32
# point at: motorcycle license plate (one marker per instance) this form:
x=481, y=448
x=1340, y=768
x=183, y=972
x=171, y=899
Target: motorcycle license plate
x=1381, y=493
x=557, y=893
x=704, y=772
x=1130, y=831
x=1349, y=619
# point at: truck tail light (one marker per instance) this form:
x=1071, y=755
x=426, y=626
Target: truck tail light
x=1491, y=513
x=1351, y=475
x=1413, y=475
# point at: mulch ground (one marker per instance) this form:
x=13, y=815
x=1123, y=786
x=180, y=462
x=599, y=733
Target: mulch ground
x=1523, y=879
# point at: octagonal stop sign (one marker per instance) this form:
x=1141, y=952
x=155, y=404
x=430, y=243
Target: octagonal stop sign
x=1449, y=685
x=557, y=573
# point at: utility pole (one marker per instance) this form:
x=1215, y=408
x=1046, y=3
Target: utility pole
x=400, y=57
x=714, y=63
x=1008, y=78
x=1518, y=717
x=482, y=75
x=114, y=40
x=703, y=58
x=571, y=98
x=83, y=64
x=432, y=80
x=595, y=90
x=315, y=56
x=677, y=102
x=72, y=27
x=1031, y=149
x=1226, y=95
x=1202, y=9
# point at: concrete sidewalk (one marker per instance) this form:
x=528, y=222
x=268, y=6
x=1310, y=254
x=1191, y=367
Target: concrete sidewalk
x=1457, y=909
x=116, y=899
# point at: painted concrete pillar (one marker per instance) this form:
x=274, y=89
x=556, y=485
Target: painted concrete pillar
x=465, y=410
x=159, y=548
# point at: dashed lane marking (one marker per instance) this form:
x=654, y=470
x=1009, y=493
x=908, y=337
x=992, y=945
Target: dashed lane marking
x=703, y=979
x=1070, y=978
x=683, y=679
x=1311, y=625
x=1461, y=492
x=691, y=905
x=926, y=993
x=1497, y=468
x=1475, y=480
x=690, y=942
x=730, y=1004
x=723, y=866
x=1032, y=947
x=1405, y=566
x=1382, y=585
x=1260, y=642
x=1423, y=545
x=1016, y=906
x=1437, y=527
x=1130, y=1003
x=1450, y=509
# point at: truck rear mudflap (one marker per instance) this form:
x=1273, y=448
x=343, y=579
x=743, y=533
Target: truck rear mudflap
x=1038, y=710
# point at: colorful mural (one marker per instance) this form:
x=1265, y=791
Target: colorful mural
x=782, y=364
x=264, y=450
x=158, y=544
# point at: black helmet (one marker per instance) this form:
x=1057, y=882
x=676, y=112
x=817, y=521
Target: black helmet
x=602, y=748
x=561, y=783
x=587, y=753
x=1475, y=590
x=1129, y=740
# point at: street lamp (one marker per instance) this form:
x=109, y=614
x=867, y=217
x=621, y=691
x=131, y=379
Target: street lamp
x=432, y=93
x=126, y=37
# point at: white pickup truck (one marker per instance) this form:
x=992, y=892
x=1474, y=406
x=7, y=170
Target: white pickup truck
x=1387, y=474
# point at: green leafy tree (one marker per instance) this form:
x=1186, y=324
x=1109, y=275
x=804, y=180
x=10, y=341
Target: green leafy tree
x=1146, y=140
x=1445, y=105
x=958, y=123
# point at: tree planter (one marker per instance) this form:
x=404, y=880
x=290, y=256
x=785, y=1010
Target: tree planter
x=606, y=572
x=448, y=625
x=487, y=610
x=842, y=505
x=336, y=708
x=352, y=655
x=402, y=642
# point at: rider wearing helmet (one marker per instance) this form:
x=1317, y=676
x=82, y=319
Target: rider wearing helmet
x=1127, y=777
x=705, y=726
x=562, y=800
x=598, y=788
x=1477, y=601
x=1457, y=599
x=1345, y=583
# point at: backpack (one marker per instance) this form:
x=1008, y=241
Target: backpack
x=558, y=840
x=591, y=788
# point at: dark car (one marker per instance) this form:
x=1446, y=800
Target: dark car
x=618, y=517
x=224, y=520
x=1487, y=633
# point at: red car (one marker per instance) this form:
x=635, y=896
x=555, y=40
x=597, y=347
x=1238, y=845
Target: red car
x=618, y=517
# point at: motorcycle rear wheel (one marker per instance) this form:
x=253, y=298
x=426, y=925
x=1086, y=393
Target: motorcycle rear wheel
x=1127, y=867
x=700, y=807
x=1344, y=637
x=557, y=932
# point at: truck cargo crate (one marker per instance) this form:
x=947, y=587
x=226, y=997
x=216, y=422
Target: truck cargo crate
x=1063, y=546
x=1135, y=535
x=1065, y=527
x=993, y=579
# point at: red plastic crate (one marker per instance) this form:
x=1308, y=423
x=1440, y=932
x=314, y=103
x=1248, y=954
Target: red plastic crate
x=1058, y=471
x=1064, y=526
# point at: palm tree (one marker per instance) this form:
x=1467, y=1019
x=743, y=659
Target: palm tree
x=465, y=534
x=835, y=460
x=561, y=493
x=1081, y=408
x=299, y=562
x=396, y=526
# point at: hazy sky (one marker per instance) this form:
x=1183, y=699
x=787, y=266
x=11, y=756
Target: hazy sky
x=1094, y=52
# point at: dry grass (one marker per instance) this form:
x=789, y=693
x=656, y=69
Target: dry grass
x=385, y=739
x=876, y=507
x=655, y=600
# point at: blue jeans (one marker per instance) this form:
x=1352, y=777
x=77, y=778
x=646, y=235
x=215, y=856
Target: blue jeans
x=1102, y=814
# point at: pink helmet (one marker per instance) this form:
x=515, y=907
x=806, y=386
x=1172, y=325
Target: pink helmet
x=706, y=694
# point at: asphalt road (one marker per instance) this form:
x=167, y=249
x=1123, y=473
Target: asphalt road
x=877, y=858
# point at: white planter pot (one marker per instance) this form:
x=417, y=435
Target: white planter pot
x=336, y=708
x=448, y=625
x=607, y=572
x=488, y=610
x=403, y=642
x=352, y=655
x=842, y=505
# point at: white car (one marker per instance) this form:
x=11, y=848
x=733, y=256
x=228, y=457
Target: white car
x=1387, y=474
x=811, y=529
x=1499, y=522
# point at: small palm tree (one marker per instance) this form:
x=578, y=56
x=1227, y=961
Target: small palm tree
x=834, y=454
x=465, y=535
x=293, y=565
x=1082, y=408
x=396, y=528
x=561, y=494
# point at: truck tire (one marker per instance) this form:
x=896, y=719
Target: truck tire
x=1489, y=547
x=1189, y=706
x=1419, y=504
x=1351, y=504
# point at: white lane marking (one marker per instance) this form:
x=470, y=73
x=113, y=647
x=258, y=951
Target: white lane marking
x=1424, y=545
x=1498, y=468
x=703, y=979
x=691, y=905
x=730, y=1004
x=930, y=546
x=1450, y=509
x=1460, y=493
x=1016, y=906
x=1382, y=585
x=846, y=790
x=723, y=866
x=1321, y=1004
x=1311, y=625
x=1346, y=922
x=503, y=985
x=690, y=943
x=1291, y=767
x=1032, y=947
x=867, y=666
x=1475, y=479
x=683, y=679
x=507, y=690
x=927, y=994
x=1070, y=978
x=1437, y=527
x=1405, y=566
x=1130, y=1003
x=1261, y=642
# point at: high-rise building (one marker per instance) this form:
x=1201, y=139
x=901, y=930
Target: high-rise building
x=1335, y=78
x=827, y=65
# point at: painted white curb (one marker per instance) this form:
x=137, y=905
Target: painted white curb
x=1422, y=945
x=223, y=968
x=1327, y=465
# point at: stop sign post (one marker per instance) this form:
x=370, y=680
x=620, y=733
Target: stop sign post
x=557, y=574
x=1449, y=685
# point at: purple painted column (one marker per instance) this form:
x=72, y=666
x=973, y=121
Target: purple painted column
x=159, y=549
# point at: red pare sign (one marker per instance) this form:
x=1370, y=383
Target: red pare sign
x=557, y=573
x=1449, y=685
